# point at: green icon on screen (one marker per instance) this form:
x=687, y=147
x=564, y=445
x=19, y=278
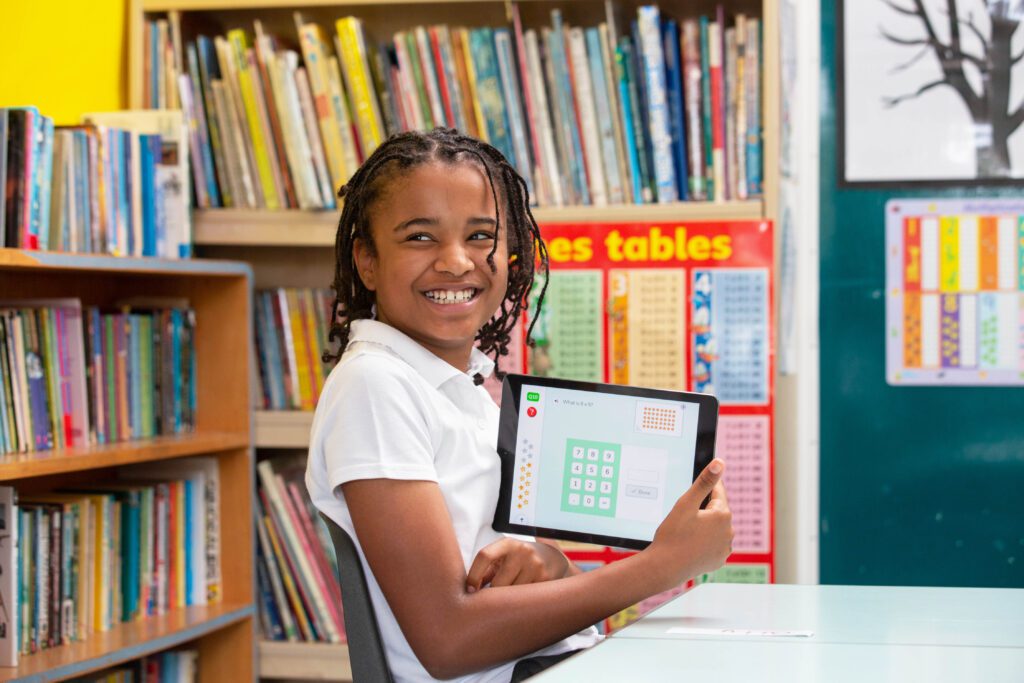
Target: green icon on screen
x=532, y=396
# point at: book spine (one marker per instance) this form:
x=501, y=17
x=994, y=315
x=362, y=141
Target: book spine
x=213, y=153
x=541, y=122
x=452, y=88
x=429, y=70
x=717, y=110
x=677, y=118
x=658, y=111
x=440, y=72
x=294, y=549
x=9, y=575
x=260, y=145
x=729, y=111
x=511, y=88
x=268, y=95
x=44, y=179
x=309, y=120
x=569, y=120
x=289, y=578
x=316, y=70
x=739, y=94
x=463, y=71
x=588, y=117
x=357, y=73
x=625, y=100
x=753, y=96
x=605, y=116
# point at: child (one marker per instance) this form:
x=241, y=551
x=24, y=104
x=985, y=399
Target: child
x=435, y=236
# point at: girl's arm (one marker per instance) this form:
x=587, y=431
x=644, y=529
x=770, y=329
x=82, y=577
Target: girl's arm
x=407, y=537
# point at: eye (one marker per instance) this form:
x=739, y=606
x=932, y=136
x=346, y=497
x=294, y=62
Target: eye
x=419, y=237
x=482, y=235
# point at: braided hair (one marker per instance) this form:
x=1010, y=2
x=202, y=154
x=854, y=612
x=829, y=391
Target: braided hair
x=399, y=154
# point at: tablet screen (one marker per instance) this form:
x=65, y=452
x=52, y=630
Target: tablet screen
x=597, y=463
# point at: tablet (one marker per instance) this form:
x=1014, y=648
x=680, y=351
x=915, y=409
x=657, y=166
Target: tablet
x=597, y=463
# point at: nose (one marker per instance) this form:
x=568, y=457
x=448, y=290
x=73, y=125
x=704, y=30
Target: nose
x=454, y=259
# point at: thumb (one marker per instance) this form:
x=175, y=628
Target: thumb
x=704, y=483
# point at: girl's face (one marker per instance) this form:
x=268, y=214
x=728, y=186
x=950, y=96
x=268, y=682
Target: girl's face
x=433, y=228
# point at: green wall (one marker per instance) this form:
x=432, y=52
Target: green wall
x=919, y=486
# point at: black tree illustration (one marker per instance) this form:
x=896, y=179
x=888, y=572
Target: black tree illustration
x=994, y=121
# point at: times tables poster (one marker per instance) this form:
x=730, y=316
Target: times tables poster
x=680, y=306
x=954, y=303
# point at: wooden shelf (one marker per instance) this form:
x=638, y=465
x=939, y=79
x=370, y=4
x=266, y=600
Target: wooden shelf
x=22, y=259
x=283, y=428
x=304, y=661
x=45, y=463
x=296, y=228
x=125, y=642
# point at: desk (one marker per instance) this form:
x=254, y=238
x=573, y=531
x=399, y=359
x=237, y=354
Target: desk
x=859, y=634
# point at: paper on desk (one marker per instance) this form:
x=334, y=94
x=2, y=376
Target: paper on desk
x=746, y=632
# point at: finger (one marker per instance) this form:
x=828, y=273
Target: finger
x=718, y=499
x=703, y=484
x=484, y=564
x=508, y=572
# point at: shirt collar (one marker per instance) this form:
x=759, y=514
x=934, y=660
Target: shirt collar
x=433, y=369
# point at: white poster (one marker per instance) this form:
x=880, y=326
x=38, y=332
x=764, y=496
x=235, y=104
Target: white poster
x=930, y=95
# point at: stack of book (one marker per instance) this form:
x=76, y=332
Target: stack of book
x=72, y=377
x=176, y=666
x=84, y=559
x=296, y=566
x=663, y=112
x=291, y=335
x=117, y=184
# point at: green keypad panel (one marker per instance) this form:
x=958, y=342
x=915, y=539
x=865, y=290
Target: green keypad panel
x=591, y=477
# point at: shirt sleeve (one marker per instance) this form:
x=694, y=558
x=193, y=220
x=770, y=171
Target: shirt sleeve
x=375, y=425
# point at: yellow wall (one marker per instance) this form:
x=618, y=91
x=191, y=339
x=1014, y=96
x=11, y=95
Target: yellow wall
x=66, y=57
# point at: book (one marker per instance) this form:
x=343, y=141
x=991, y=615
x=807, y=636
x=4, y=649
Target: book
x=174, y=231
x=9, y=522
x=659, y=112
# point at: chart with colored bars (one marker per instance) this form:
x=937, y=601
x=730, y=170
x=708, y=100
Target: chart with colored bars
x=955, y=292
x=591, y=477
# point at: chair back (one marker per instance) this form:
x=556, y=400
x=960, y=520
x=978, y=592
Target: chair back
x=365, y=647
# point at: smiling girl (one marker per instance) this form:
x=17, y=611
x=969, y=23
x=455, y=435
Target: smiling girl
x=435, y=236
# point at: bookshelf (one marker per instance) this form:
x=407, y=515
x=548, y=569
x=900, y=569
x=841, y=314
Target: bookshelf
x=219, y=292
x=294, y=248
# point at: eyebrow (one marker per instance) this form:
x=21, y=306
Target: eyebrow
x=432, y=222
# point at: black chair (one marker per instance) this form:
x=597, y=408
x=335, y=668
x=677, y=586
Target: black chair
x=365, y=648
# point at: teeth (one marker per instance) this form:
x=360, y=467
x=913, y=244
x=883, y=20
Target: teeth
x=450, y=296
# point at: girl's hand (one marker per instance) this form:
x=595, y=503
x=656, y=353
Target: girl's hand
x=509, y=562
x=692, y=541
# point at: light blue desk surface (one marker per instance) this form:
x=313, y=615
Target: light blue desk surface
x=621, y=660
x=859, y=633
x=977, y=617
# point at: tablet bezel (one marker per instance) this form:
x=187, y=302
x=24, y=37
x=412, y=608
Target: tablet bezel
x=511, y=391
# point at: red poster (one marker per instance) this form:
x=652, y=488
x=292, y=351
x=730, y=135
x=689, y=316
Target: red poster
x=686, y=306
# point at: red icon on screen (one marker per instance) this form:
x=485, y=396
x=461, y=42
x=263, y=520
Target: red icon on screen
x=531, y=411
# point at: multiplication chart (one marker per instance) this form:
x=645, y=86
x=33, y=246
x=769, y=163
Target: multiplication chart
x=730, y=334
x=955, y=292
x=649, y=308
x=568, y=335
x=743, y=443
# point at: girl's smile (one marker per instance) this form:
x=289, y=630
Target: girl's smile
x=433, y=229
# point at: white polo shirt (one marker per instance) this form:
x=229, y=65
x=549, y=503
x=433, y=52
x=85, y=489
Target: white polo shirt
x=391, y=409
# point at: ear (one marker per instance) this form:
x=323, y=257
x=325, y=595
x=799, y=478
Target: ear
x=366, y=263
